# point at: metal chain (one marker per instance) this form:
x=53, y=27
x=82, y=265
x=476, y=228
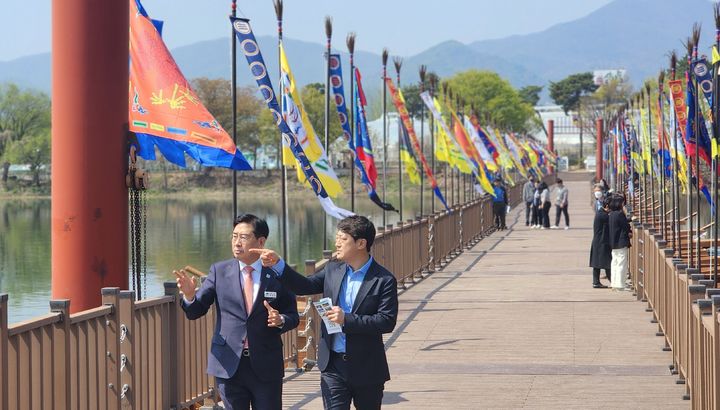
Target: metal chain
x=133, y=218
x=143, y=220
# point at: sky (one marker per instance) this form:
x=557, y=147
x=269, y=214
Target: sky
x=405, y=27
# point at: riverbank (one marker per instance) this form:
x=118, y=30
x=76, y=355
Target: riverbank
x=215, y=184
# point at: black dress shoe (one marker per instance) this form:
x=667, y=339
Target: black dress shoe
x=599, y=286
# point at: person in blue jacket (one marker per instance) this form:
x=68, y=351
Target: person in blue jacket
x=500, y=202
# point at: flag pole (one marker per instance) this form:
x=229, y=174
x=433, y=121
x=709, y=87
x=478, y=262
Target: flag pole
x=398, y=65
x=641, y=105
x=696, y=133
x=449, y=97
x=716, y=134
x=461, y=175
x=661, y=133
x=278, y=4
x=233, y=96
x=676, y=184
x=449, y=156
x=691, y=260
x=423, y=71
x=350, y=40
x=385, y=130
x=328, y=34
x=433, y=84
x=650, y=149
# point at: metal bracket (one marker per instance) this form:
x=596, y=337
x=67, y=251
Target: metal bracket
x=123, y=332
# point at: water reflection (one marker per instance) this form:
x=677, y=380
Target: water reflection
x=187, y=231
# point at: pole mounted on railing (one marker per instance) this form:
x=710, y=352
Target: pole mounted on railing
x=422, y=72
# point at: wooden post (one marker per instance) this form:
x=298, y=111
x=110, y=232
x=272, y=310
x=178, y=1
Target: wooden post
x=126, y=313
x=62, y=385
x=111, y=296
x=172, y=348
x=4, y=403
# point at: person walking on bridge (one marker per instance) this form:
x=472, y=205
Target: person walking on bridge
x=252, y=310
x=528, y=196
x=561, y=204
x=352, y=362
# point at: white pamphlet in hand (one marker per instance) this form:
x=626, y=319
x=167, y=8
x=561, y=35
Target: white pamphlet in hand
x=323, y=306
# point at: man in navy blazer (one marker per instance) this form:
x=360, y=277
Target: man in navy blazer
x=365, y=303
x=253, y=310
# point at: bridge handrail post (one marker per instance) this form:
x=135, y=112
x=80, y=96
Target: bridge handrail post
x=111, y=297
x=173, y=347
x=62, y=382
x=4, y=401
x=126, y=311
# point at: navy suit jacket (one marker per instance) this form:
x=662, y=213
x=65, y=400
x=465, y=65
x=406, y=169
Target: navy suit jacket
x=222, y=287
x=373, y=313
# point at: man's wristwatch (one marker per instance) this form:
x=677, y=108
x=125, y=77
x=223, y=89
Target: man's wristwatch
x=282, y=321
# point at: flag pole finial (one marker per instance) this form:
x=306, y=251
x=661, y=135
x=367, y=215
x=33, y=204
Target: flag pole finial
x=350, y=41
x=328, y=26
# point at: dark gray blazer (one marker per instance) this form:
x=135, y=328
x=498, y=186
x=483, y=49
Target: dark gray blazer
x=374, y=313
x=222, y=287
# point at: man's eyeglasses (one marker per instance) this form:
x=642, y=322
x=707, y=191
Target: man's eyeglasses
x=242, y=238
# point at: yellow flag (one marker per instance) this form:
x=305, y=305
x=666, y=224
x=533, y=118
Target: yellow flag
x=299, y=123
x=715, y=55
x=455, y=158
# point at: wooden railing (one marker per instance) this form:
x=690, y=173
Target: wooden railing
x=686, y=306
x=147, y=355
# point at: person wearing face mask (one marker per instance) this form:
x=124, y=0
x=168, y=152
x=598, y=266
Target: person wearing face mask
x=352, y=363
x=600, y=250
x=599, y=197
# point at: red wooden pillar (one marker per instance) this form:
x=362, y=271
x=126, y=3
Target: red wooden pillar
x=551, y=142
x=599, y=149
x=89, y=161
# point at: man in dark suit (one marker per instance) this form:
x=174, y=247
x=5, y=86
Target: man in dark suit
x=365, y=303
x=253, y=310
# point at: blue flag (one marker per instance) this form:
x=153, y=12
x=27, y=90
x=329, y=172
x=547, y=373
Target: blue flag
x=336, y=84
x=258, y=69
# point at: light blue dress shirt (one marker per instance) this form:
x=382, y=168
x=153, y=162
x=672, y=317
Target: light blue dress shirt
x=346, y=298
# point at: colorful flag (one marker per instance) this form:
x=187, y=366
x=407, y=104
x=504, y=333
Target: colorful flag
x=399, y=102
x=363, y=144
x=456, y=158
x=699, y=144
x=299, y=122
x=410, y=163
x=479, y=145
x=481, y=173
x=258, y=69
x=164, y=112
x=336, y=84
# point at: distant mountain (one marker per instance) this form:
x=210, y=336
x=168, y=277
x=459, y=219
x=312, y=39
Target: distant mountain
x=631, y=34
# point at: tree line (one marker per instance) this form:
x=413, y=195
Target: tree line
x=25, y=130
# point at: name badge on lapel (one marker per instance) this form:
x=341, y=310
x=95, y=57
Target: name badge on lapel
x=270, y=295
